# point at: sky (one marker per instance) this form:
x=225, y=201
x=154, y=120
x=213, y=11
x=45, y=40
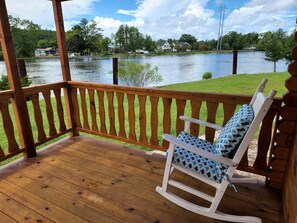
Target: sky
x=163, y=19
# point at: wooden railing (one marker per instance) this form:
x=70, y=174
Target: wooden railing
x=141, y=115
x=134, y=115
x=8, y=130
x=47, y=105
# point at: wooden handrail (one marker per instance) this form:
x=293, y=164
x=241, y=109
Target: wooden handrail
x=192, y=95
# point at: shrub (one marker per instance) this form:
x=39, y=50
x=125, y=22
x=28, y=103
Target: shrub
x=139, y=75
x=4, y=85
x=207, y=75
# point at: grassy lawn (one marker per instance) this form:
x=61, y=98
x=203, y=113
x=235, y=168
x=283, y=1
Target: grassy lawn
x=236, y=84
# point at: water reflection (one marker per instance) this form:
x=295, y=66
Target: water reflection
x=173, y=68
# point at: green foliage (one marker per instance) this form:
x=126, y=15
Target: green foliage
x=27, y=36
x=277, y=46
x=24, y=34
x=188, y=38
x=149, y=44
x=84, y=37
x=207, y=75
x=25, y=81
x=4, y=85
x=139, y=75
x=129, y=38
x=103, y=44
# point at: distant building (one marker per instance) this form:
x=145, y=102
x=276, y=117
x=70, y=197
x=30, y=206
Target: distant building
x=53, y=51
x=115, y=48
x=164, y=46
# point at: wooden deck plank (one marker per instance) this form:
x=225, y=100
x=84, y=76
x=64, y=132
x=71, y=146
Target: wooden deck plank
x=84, y=179
x=43, y=207
x=9, y=206
x=6, y=219
x=60, y=199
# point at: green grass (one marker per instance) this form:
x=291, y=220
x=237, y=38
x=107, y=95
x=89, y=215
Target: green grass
x=236, y=84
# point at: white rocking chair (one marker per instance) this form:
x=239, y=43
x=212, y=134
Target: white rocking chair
x=214, y=164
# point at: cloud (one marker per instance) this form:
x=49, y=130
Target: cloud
x=41, y=12
x=261, y=16
x=168, y=18
x=165, y=19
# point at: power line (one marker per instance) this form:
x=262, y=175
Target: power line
x=222, y=9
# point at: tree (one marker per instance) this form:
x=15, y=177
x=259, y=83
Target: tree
x=84, y=37
x=289, y=43
x=273, y=43
x=139, y=75
x=149, y=44
x=24, y=34
x=103, y=44
x=129, y=38
x=188, y=38
x=274, y=50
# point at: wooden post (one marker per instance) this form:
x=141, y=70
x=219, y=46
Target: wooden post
x=286, y=127
x=21, y=68
x=289, y=113
x=61, y=39
x=235, y=53
x=18, y=102
x=115, y=70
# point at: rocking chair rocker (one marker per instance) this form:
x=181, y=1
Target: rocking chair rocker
x=214, y=164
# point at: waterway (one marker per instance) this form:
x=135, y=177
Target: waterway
x=173, y=68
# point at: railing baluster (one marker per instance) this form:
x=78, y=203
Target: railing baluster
x=49, y=113
x=101, y=111
x=1, y=152
x=60, y=111
x=195, y=111
x=211, y=117
x=166, y=119
x=38, y=117
x=131, y=115
x=142, y=118
x=264, y=139
x=82, y=93
x=121, y=115
x=180, y=107
x=154, y=120
x=229, y=110
x=8, y=127
x=75, y=107
x=111, y=114
x=93, y=110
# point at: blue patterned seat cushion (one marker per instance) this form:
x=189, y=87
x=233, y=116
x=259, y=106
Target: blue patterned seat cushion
x=227, y=142
x=196, y=163
x=234, y=131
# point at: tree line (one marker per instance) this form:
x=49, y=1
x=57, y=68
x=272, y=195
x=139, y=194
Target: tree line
x=86, y=38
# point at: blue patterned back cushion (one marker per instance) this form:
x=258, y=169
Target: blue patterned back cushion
x=234, y=131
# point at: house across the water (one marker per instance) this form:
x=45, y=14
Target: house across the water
x=49, y=51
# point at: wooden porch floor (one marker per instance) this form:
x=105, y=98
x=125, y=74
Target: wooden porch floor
x=87, y=180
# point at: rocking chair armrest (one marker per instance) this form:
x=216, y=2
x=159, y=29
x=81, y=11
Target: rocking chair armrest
x=200, y=122
x=200, y=152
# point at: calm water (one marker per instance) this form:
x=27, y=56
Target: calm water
x=173, y=68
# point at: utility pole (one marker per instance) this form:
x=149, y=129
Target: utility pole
x=219, y=32
x=221, y=27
